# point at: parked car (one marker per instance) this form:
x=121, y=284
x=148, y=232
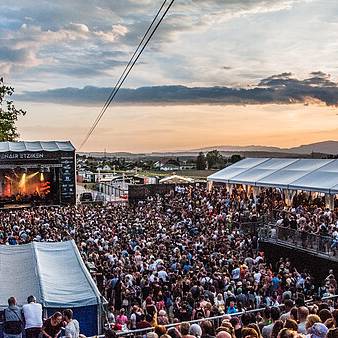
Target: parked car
x=86, y=197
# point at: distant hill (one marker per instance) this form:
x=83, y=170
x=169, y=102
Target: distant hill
x=315, y=150
x=325, y=147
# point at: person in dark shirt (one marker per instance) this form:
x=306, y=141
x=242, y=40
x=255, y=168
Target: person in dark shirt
x=143, y=323
x=52, y=326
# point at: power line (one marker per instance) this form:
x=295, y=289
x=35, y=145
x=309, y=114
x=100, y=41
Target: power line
x=127, y=70
x=130, y=61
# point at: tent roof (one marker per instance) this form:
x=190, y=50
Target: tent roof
x=298, y=174
x=176, y=179
x=53, y=272
x=23, y=146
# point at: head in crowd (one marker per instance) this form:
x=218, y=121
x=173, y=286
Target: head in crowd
x=318, y=330
x=11, y=301
x=68, y=314
x=31, y=299
x=277, y=326
x=311, y=320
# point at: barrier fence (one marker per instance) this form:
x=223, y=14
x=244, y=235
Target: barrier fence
x=325, y=245
x=216, y=321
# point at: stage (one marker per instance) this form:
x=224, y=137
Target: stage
x=37, y=173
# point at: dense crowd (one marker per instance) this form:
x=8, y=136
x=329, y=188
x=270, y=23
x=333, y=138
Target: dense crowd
x=178, y=257
x=319, y=320
x=311, y=224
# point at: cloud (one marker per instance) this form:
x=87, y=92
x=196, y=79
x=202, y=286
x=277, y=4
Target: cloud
x=70, y=50
x=20, y=55
x=102, y=22
x=278, y=89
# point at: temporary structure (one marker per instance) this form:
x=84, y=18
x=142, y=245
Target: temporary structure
x=175, y=179
x=295, y=174
x=56, y=275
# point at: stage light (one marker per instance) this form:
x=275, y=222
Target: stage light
x=28, y=177
x=22, y=183
x=42, y=177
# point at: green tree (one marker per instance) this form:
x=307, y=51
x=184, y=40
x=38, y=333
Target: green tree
x=235, y=158
x=214, y=159
x=201, y=162
x=8, y=114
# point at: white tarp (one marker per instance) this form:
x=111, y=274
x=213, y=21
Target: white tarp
x=53, y=272
x=227, y=173
x=297, y=174
x=23, y=146
x=176, y=179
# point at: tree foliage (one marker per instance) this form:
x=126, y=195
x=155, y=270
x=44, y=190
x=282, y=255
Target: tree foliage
x=235, y=158
x=215, y=159
x=8, y=114
x=201, y=162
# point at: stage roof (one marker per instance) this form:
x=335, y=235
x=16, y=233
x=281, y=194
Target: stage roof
x=297, y=174
x=23, y=146
x=53, y=272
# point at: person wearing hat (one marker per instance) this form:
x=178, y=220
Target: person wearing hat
x=195, y=330
x=318, y=330
x=162, y=318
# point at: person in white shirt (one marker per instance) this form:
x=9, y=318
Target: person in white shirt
x=32, y=313
x=72, y=329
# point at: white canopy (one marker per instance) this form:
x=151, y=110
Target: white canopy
x=22, y=146
x=297, y=174
x=176, y=179
x=53, y=272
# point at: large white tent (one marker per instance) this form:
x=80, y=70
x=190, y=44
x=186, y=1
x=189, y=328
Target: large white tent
x=56, y=275
x=294, y=174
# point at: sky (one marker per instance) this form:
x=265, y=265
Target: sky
x=217, y=72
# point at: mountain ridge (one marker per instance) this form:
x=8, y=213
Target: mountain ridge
x=329, y=147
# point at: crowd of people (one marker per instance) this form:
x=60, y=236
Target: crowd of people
x=28, y=320
x=316, y=321
x=178, y=257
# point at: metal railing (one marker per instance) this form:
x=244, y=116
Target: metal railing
x=325, y=245
x=216, y=321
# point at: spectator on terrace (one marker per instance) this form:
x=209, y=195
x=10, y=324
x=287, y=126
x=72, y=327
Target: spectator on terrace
x=32, y=312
